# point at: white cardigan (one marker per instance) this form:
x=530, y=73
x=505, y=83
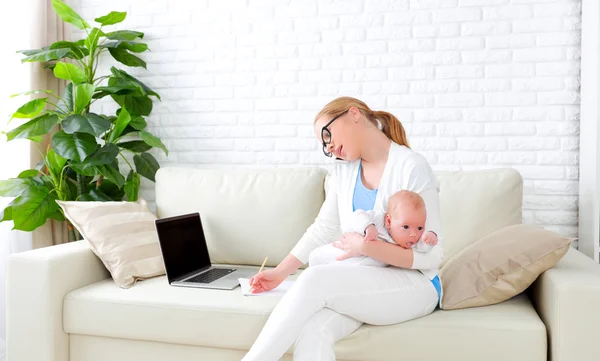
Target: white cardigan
x=405, y=170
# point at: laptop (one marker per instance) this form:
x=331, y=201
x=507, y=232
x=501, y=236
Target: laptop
x=185, y=255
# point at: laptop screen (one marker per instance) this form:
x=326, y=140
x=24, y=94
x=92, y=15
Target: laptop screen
x=182, y=244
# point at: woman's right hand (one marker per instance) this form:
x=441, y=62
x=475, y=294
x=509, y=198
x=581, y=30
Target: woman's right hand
x=266, y=280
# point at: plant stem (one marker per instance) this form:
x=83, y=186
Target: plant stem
x=99, y=181
x=80, y=185
x=101, y=78
x=125, y=159
x=71, y=232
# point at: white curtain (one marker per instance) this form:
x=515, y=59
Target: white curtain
x=25, y=24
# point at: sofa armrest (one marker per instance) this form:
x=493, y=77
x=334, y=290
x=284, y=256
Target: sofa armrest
x=567, y=298
x=37, y=282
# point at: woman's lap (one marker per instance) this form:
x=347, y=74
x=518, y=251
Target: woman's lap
x=374, y=295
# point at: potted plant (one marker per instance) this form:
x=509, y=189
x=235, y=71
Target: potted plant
x=82, y=161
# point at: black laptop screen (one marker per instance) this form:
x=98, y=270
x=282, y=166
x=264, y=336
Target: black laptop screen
x=183, y=245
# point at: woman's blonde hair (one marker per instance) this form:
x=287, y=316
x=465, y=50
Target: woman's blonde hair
x=392, y=127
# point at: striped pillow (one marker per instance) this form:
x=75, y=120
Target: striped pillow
x=122, y=235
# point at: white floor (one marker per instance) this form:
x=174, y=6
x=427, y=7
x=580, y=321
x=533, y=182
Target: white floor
x=2, y=349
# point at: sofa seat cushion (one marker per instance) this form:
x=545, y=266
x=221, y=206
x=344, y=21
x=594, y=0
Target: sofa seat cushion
x=155, y=311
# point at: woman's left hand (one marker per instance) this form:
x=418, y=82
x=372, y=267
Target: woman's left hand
x=351, y=242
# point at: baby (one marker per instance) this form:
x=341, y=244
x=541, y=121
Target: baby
x=402, y=224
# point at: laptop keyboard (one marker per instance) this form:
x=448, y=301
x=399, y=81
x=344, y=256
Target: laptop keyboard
x=211, y=275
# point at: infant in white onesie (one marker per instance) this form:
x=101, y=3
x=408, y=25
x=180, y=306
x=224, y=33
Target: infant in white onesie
x=403, y=224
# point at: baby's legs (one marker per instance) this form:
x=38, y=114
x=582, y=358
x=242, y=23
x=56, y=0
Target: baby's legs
x=328, y=254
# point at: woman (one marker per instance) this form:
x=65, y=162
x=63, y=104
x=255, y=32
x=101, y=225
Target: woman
x=328, y=302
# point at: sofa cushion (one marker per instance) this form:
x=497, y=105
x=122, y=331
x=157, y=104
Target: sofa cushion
x=155, y=311
x=476, y=203
x=251, y=213
x=246, y=214
x=122, y=235
x=500, y=265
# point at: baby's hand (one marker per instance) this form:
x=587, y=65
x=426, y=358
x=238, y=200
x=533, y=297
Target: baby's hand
x=371, y=233
x=430, y=238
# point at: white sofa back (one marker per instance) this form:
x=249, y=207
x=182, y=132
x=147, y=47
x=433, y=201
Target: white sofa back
x=248, y=214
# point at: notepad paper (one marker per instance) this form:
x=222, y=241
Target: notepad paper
x=277, y=291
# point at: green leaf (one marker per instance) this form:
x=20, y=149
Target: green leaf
x=69, y=15
x=104, y=155
x=57, y=216
x=112, y=190
x=30, y=52
x=111, y=172
x=153, y=141
x=30, y=109
x=120, y=124
x=32, y=208
x=126, y=45
x=136, y=105
x=91, y=123
x=34, y=128
x=92, y=40
x=76, y=146
x=122, y=74
x=13, y=187
x=77, y=52
x=146, y=165
x=132, y=186
x=137, y=146
x=124, y=35
x=128, y=129
x=138, y=122
x=99, y=196
x=28, y=173
x=121, y=86
x=47, y=55
x=80, y=168
x=49, y=66
x=83, y=96
x=126, y=58
x=70, y=72
x=114, y=17
x=54, y=162
x=32, y=92
x=6, y=213
x=68, y=97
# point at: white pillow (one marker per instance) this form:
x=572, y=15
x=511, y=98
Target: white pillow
x=122, y=235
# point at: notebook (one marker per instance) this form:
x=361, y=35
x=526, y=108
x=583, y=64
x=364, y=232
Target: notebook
x=277, y=291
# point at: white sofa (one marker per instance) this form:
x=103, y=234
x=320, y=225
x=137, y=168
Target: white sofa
x=63, y=305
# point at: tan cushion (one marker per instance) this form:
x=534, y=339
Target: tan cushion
x=476, y=203
x=155, y=311
x=500, y=265
x=122, y=235
x=246, y=214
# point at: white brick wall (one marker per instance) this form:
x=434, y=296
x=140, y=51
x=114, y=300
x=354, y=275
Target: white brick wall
x=477, y=83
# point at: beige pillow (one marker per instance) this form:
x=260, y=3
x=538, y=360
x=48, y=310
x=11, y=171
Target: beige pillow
x=500, y=265
x=122, y=235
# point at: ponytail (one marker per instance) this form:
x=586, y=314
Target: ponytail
x=392, y=127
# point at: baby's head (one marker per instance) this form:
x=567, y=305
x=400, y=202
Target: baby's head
x=405, y=218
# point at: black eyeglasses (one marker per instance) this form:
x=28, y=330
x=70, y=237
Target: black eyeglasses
x=326, y=134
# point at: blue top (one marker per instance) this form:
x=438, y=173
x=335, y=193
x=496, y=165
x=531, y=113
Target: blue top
x=363, y=198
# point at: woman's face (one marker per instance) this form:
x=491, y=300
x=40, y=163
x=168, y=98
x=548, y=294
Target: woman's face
x=344, y=142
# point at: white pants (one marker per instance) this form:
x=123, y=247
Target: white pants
x=330, y=301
